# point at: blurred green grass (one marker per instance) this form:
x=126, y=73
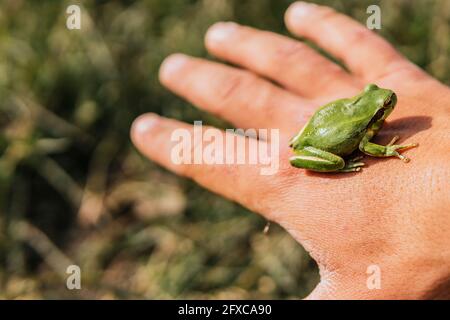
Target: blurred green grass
x=73, y=189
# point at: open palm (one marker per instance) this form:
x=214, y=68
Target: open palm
x=391, y=214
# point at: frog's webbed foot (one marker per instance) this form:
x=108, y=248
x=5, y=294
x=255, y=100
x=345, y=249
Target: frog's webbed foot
x=353, y=165
x=390, y=150
x=393, y=149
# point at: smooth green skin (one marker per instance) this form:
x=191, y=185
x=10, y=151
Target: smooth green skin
x=339, y=128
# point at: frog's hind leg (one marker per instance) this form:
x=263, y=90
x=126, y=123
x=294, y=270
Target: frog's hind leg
x=317, y=160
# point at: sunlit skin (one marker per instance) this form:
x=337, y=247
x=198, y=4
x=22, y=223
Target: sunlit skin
x=390, y=214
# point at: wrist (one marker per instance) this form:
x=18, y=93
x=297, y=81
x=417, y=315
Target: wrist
x=407, y=278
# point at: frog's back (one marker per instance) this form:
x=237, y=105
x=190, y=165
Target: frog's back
x=335, y=128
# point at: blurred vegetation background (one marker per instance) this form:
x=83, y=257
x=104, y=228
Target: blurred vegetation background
x=74, y=191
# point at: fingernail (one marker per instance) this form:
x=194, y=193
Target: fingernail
x=300, y=9
x=143, y=125
x=172, y=65
x=220, y=31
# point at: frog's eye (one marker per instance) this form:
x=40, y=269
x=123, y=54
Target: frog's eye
x=370, y=87
x=391, y=100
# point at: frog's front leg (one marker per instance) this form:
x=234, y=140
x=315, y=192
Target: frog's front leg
x=390, y=150
x=318, y=160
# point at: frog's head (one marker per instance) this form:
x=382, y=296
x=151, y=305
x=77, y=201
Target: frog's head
x=382, y=101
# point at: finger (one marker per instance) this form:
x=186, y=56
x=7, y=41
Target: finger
x=157, y=138
x=238, y=96
x=366, y=54
x=289, y=62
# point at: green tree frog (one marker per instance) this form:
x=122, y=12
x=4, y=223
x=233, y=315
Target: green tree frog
x=341, y=127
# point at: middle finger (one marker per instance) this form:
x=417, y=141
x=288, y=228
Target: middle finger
x=291, y=63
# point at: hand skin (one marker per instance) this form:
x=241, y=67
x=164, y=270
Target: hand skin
x=391, y=214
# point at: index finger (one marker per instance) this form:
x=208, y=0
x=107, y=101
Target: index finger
x=247, y=182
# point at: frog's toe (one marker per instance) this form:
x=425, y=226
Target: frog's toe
x=405, y=146
x=350, y=169
x=356, y=159
x=394, y=140
x=352, y=166
x=403, y=158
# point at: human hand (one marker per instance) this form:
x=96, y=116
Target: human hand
x=391, y=214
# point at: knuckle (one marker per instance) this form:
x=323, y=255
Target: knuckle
x=289, y=51
x=236, y=90
x=230, y=87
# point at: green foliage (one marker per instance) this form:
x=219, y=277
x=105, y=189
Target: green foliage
x=73, y=189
